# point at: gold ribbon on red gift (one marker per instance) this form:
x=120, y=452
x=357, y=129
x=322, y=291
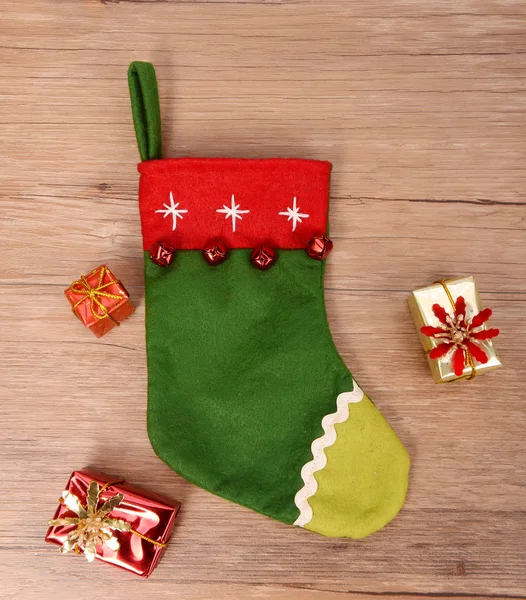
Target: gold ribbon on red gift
x=94, y=526
x=83, y=287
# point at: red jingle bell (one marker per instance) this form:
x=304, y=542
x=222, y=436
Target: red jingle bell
x=162, y=254
x=319, y=247
x=263, y=257
x=215, y=253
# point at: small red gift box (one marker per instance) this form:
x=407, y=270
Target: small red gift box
x=99, y=300
x=114, y=521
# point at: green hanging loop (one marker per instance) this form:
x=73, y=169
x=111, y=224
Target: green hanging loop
x=146, y=112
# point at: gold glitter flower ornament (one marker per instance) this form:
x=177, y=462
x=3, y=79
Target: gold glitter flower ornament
x=93, y=525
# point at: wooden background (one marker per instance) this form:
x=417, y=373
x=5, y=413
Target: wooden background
x=421, y=106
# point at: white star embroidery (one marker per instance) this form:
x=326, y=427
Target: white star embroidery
x=294, y=214
x=232, y=213
x=172, y=210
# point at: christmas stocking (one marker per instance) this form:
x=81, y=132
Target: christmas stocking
x=247, y=394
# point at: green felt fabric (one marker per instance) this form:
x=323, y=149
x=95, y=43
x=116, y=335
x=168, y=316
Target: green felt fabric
x=242, y=369
x=146, y=111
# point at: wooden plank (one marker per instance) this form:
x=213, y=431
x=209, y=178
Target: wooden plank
x=421, y=107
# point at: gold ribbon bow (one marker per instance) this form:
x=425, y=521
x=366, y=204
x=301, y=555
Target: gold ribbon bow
x=94, y=526
x=83, y=287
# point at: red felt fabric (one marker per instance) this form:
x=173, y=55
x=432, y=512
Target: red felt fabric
x=440, y=313
x=460, y=306
x=477, y=352
x=440, y=350
x=459, y=360
x=485, y=334
x=265, y=187
x=481, y=318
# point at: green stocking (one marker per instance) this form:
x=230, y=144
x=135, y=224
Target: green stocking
x=247, y=394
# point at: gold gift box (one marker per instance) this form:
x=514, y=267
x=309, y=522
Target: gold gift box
x=420, y=304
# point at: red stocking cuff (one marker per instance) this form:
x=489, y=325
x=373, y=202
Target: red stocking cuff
x=188, y=202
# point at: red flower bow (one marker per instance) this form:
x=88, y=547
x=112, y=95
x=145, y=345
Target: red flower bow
x=459, y=335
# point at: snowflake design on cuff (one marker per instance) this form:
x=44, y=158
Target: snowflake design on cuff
x=171, y=209
x=233, y=212
x=293, y=214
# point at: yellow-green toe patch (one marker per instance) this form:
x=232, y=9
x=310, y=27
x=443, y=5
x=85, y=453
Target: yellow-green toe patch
x=364, y=483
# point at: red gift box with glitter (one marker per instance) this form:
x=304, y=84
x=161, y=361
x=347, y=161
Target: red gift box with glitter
x=99, y=300
x=119, y=523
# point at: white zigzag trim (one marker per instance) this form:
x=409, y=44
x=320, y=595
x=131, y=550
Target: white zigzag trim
x=319, y=460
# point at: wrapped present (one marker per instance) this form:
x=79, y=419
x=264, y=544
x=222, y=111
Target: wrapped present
x=453, y=329
x=113, y=521
x=99, y=300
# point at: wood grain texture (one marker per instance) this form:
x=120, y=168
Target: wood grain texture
x=421, y=107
